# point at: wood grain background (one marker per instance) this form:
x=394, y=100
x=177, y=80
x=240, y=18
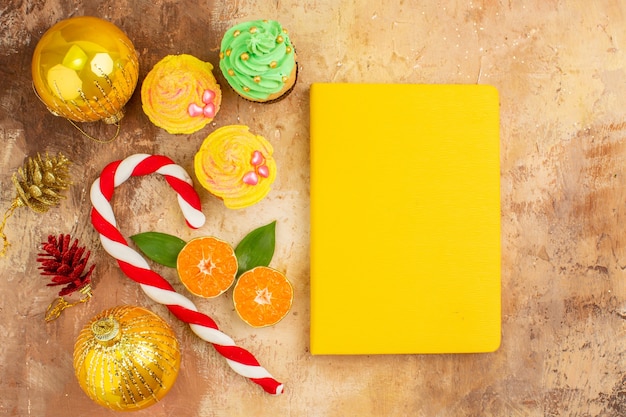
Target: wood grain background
x=559, y=67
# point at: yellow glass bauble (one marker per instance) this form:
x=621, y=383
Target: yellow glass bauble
x=126, y=358
x=85, y=69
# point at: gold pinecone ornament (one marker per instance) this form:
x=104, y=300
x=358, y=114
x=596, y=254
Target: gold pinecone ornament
x=38, y=185
x=41, y=182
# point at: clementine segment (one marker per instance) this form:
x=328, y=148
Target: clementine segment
x=207, y=266
x=262, y=296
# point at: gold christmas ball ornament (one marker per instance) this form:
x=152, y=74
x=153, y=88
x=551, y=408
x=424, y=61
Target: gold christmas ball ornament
x=126, y=358
x=85, y=69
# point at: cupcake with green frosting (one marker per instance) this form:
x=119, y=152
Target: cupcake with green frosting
x=258, y=60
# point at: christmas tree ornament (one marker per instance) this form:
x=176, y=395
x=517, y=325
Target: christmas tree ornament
x=66, y=265
x=154, y=285
x=39, y=184
x=126, y=358
x=85, y=69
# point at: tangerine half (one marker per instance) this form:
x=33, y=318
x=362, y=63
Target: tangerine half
x=207, y=266
x=262, y=296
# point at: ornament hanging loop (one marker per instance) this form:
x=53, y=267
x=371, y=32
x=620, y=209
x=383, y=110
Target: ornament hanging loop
x=112, y=119
x=57, y=306
x=5, y=242
x=111, y=139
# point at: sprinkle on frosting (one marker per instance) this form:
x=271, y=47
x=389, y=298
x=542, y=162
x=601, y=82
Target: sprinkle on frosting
x=257, y=159
x=180, y=94
x=236, y=166
x=251, y=178
x=256, y=58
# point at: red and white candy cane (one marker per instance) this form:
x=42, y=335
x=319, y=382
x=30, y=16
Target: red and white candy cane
x=155, y=286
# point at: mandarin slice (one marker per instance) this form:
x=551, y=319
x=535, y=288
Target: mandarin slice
x=207, y=266
x=262, y=296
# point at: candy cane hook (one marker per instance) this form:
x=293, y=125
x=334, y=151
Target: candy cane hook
x=155, y=286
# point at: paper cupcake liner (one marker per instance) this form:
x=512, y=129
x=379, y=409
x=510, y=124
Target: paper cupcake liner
x=277, y=99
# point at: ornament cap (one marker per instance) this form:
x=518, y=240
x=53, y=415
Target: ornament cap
x=106, y=330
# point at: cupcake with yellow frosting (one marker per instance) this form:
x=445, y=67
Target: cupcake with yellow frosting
x=180, y=94
x=236, y=165
x=258, y=60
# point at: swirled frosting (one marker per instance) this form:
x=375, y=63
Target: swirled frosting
x=236, y=166
x=258, y=59
x=180, y=94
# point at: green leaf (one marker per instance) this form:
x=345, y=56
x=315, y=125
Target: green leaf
x=257, y=248
x=159, y=247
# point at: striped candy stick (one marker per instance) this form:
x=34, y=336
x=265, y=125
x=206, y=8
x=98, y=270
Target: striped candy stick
x=155, y=286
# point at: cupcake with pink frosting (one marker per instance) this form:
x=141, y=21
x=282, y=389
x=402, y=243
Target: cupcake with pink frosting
x=180, y=94
x=236, y=166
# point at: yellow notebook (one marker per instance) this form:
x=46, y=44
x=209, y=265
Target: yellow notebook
x=405, y=219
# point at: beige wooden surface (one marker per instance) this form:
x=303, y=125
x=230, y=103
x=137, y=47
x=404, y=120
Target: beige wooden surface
x=559, y=67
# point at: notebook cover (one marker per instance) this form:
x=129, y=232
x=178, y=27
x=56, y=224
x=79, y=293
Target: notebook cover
x=405, y=219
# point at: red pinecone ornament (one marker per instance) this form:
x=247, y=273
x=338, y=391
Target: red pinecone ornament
x=65, y=264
